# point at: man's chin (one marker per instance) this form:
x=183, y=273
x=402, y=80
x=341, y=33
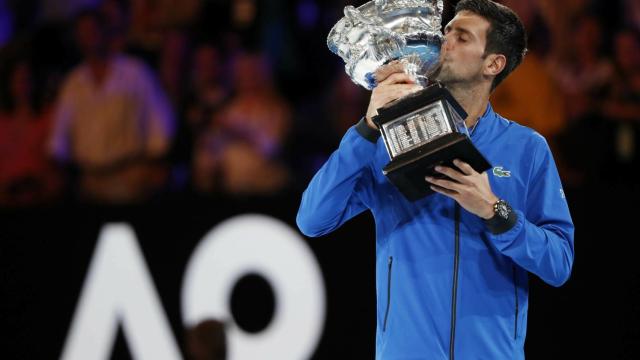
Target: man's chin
x=443, y=80
x=445, y=77
x=440, y=74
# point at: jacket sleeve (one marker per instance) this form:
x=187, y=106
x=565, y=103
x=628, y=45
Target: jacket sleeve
x=336, y=192
x=541, y=239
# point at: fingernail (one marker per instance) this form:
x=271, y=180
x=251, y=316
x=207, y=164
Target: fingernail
x=438, y=168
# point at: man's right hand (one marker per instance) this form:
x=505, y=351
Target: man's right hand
x=393, y=83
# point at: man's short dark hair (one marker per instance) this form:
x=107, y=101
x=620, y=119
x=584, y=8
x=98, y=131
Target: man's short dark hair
x=506, y=34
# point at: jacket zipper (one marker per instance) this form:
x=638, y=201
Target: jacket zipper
x=454, y=290
x=515, y=287
x=386, y=312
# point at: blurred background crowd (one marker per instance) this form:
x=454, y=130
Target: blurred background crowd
x=122, y=101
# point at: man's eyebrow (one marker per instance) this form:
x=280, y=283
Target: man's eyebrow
x=458, y=29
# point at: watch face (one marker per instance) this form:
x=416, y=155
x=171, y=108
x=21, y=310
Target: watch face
x=502, y=209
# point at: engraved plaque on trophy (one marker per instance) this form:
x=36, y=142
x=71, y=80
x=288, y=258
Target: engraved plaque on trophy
x=421, y=131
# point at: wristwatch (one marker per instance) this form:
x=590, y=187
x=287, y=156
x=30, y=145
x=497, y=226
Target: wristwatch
x=502, y=208
x=504, y=218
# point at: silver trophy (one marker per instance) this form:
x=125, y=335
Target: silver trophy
x=424, y=129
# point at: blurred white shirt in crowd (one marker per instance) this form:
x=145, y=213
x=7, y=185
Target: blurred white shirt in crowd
x=109, y=128
x=127, y=115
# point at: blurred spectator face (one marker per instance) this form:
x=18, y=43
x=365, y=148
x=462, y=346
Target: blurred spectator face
x=243, y=13
x=21, y=82
x=114, y=15
x=173, y=49
x=172, y=64
x=116, y=23
x=627, y=50
x=632, y=13
x=251, y=73
x=90, y=36
x=206, y=64
x=588, y=36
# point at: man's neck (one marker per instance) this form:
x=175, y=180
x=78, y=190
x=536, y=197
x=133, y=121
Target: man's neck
x=474, y=101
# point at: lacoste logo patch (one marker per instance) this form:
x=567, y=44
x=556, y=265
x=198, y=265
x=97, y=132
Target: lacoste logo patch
x=500, y=172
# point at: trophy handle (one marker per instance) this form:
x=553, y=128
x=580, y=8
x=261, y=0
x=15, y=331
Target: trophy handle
x=435, y=23
x=440, y=6
x=380, y=5
x=355, y=17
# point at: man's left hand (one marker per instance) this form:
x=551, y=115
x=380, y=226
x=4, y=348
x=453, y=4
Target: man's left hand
x=469, y=188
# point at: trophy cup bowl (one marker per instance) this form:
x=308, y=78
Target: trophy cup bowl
x=421, y=130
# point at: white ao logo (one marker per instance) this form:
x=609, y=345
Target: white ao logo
x=118, y=289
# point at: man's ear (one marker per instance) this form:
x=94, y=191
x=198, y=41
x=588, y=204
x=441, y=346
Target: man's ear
x=494, y=64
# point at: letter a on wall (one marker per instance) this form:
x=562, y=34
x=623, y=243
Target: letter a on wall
x=119, y=290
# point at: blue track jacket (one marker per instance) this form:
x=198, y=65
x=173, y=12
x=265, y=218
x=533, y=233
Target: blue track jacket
x=447, y=286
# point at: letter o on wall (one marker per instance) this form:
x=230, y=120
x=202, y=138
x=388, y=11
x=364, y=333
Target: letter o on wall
x=266, y=246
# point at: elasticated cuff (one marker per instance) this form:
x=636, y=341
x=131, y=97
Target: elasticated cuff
x=367, y=132
x=498, y=225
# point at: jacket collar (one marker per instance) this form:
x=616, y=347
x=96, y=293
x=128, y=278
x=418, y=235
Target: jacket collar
x=486, y=121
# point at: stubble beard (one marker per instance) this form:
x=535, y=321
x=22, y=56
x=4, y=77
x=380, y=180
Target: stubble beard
x=450, y=79
x=442, y=73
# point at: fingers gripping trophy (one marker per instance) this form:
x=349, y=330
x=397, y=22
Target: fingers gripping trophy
x=420, y=130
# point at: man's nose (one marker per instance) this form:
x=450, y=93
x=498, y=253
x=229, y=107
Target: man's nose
x=446, y=45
